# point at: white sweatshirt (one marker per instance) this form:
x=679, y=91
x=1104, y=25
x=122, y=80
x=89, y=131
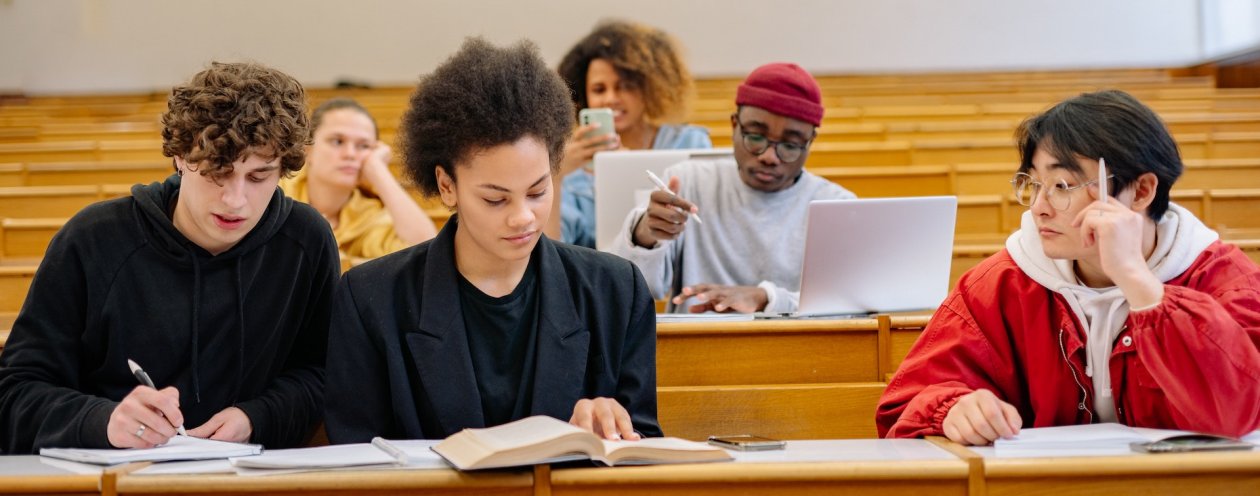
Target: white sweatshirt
x=748, y=237
x=1180, y=239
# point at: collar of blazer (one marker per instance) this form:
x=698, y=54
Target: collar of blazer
x=439, y=346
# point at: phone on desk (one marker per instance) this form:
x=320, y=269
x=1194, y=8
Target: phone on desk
x=1191, y=442
x=603, y=116
x=747, y=442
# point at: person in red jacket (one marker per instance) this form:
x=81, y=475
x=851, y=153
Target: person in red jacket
x=1126, y=310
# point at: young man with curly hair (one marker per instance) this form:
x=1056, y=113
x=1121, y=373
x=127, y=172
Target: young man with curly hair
x=490, y=321
x=638, y=72
x=213, y=281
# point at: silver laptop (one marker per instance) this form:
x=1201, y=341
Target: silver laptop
x=877, y=255
x=621, y=185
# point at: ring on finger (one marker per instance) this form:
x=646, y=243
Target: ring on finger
x=140, y=431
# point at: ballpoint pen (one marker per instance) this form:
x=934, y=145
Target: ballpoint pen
x=661, y=185
x=1102, y=180
x=143, y=377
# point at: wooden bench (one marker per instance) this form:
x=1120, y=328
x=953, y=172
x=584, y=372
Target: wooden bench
x=15, y=280
x=54, y=201
x=27, y=238
x=96, y=172
x=804, y=411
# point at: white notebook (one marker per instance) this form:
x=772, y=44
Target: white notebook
x=179, y=448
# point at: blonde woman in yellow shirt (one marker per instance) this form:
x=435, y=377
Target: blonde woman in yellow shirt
x=347, y=179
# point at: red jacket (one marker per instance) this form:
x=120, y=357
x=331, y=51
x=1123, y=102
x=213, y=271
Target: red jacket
x=1191, y=363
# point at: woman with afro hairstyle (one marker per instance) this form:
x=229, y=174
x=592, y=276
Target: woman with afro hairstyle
x=637, y=72
x=490, y=321
x=213, y=281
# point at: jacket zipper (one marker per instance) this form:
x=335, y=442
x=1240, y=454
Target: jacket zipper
x=1084, y=396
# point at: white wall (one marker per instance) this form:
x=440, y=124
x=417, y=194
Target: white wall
x=1230, y=26
x=70, y=46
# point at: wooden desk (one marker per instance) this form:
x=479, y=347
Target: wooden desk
x=867, y=466
x=805, y=351
x=29, y=474
x=1172, y=474
x=428, y=482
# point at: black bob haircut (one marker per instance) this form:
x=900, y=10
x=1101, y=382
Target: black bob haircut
x=1109, y=124
x=483, y=96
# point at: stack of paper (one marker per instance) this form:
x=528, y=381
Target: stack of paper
x=179, y=448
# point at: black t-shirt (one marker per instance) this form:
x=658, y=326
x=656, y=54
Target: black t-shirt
x=503, y=339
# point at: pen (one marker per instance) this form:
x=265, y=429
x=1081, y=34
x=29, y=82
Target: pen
x=661, y=185
x=143, y=377
x=399, y=455
x=1102, y=180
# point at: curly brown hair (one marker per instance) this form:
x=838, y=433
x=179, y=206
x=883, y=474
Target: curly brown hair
x=234, y=108
x=483, y=96
x=643, y=56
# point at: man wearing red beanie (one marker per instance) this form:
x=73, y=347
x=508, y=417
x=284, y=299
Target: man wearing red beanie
x=746, y=256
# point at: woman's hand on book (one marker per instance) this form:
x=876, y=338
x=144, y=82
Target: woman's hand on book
x=604, y=417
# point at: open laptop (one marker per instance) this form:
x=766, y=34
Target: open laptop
x=877, y=255
x=621, y=184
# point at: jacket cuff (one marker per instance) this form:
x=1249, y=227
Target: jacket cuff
x=94, y=425
x=938, y=416
x=254, y=412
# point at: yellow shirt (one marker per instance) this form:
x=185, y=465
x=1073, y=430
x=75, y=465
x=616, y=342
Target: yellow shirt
x=364, y=228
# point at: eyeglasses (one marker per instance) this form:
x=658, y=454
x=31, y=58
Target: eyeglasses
x=1060, y=196
x=757, y=144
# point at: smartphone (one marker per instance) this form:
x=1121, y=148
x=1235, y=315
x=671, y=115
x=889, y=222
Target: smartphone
x=1191, y=442
x=747, y=442
x=603, y=116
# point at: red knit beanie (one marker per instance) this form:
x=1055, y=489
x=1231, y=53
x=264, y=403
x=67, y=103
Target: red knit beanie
x=784, y=89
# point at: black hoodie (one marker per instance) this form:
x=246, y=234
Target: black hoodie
x=247, y=327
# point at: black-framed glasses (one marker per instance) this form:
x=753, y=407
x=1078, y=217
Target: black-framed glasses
x=757, y=144
x=1060, y=195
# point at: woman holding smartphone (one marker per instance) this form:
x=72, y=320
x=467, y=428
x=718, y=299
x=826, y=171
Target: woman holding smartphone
x=490, y=321
x=347, y=179
x=637, y=72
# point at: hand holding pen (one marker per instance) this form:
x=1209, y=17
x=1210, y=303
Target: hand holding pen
x=666, y=216
x=146, y=417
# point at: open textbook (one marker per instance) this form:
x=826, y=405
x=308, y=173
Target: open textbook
x=179, y=448
x=541, y=439
x=1085, y=440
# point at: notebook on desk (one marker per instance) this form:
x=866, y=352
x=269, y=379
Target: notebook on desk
x=876, y=255
x=621, y=185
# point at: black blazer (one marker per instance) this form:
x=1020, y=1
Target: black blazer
x=398, y=358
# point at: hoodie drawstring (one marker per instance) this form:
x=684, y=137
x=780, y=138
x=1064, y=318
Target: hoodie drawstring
x=196, y=318
x=240, y=316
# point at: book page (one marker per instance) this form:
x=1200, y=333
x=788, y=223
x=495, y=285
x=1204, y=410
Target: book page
x=528, y=431
x=660, y=450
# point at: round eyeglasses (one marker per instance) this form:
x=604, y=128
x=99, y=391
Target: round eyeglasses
x=1059, y=196
x=757, y=144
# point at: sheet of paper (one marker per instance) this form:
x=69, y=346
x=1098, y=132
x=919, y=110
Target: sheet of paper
x=846, y=450
x=662, y=318
x=187, y=468
x=179, y=448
